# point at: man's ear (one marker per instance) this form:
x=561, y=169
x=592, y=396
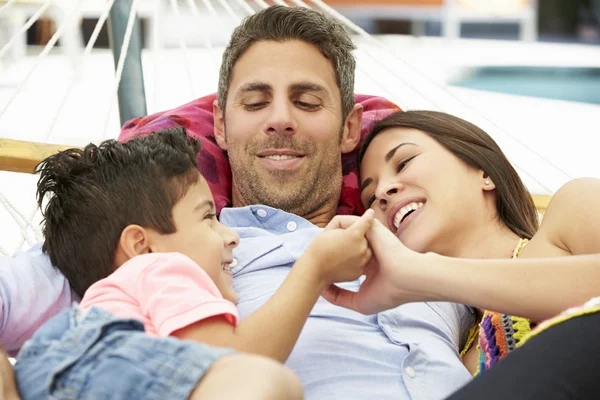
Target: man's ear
x=352, y=128
x=134, y=241
x=219, y=125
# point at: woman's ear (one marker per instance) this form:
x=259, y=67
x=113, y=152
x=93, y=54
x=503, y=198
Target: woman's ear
x=487, y=182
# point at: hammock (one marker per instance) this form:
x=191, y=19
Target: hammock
x=392, y=66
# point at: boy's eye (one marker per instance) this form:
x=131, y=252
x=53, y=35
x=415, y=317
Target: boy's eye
x=210, y=216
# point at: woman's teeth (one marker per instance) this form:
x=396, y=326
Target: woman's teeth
x=404, y=211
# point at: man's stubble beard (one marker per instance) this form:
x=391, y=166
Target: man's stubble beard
x=297, y=192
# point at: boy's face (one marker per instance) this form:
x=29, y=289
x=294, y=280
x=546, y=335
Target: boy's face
x=201, y=237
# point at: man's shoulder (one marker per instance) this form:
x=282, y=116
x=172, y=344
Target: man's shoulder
x=28, y=262
x=32, y=290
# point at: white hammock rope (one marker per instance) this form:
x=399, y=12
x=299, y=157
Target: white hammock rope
x=261, y=3
x=246, y=7
x=215, y=15
x=86, y=53
x=85, y=56
x=358, y=67
x=25, y=27
x=42, y=56
x=329, y=10
x=207, y=42
x=183, y=46
x=121, y=62
x=20, y=220
x=211, y=10
x=230, y=11
x=6, y=6
x=299, y=3
x=420, y=87
x=156, y=45
x=29, y=225
x=333, y=13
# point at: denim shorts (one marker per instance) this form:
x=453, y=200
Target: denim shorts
x=94, y=355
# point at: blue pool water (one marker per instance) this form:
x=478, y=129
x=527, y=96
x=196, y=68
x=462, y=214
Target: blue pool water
x=561, y=83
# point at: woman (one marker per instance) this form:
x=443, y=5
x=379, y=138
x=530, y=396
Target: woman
x=445, y=189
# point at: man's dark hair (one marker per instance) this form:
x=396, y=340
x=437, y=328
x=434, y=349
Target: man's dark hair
x=280, y=24
x=96, y=192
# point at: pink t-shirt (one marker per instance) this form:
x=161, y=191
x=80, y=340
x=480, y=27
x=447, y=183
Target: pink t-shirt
x=165, y=291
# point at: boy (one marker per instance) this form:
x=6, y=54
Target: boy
x=133, y=228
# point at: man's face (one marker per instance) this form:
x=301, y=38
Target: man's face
x=283, y=128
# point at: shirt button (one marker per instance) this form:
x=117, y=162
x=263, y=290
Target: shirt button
x=261, y=213
x=410, y=372
x=291, y=226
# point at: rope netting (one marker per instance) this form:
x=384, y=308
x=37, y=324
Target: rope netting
x=90, y=81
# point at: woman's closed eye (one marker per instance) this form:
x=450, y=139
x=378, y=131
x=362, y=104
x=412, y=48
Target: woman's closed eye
x=399, y=168
x=403, y=164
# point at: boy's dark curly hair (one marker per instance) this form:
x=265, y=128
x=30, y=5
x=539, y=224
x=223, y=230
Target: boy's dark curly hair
x=96, y=192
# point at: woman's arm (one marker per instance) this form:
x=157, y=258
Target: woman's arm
x=536, y=288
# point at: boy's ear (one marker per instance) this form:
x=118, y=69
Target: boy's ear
x=134, y=241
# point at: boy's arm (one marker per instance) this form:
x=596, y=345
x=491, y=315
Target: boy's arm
x=273, y=329
x=8, y=388
x=336, y=255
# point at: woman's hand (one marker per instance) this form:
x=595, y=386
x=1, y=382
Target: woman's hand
x=390, y=276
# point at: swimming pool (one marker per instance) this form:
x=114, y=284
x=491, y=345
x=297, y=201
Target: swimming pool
x=560, y=83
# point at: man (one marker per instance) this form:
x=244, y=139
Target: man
x=285, y=114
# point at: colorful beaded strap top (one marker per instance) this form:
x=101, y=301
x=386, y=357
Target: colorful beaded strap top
x=498, y=334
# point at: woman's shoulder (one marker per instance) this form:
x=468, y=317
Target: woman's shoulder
x=571, y=224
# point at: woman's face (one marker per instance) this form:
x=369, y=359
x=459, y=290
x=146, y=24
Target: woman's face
x=421, y=191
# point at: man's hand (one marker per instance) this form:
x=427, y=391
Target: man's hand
x=388, y=278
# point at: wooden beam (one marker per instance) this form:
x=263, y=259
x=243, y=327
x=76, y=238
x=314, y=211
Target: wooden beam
x=541, y=202
x=21, y=156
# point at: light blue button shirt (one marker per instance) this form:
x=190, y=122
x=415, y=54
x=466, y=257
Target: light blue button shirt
x=410, y=352
x=406, y=353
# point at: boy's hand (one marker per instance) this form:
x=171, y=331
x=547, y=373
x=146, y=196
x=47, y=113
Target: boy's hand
x=341, y=251
x=388, y=276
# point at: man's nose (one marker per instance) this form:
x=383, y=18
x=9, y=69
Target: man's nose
x=281, y=121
